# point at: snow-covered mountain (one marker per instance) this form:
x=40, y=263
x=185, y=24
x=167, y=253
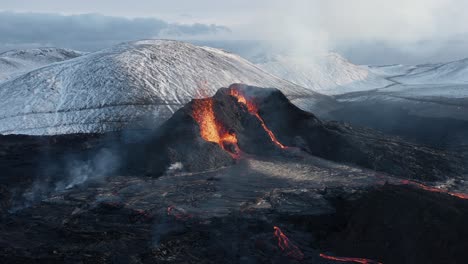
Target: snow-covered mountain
x=431, y=90
x=455, y=72
x=330, y=74
x=426, y=81
x=426, y=102
x=125, y=84
x=16, y=62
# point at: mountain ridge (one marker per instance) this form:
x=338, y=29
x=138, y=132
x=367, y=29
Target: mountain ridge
x=135, y=82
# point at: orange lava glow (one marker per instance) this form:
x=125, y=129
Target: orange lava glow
x=254, y=111
x=287, y=246
x=345, y=259
x=211, y=130
x=434, y=189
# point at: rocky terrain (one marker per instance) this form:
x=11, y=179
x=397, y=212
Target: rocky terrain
x=241, y=177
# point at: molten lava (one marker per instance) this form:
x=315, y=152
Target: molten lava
x=433, y=189
x=253, y=109
x=211, y=130
x=345, y=259
x=287, y=246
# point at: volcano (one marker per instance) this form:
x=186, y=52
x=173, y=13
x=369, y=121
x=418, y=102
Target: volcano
x=243, y=119
x=243, y=176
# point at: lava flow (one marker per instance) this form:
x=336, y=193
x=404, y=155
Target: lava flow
x=211, y=130
x=433, y=189
x=345, y=259
x=287, y=246
x=253, y=109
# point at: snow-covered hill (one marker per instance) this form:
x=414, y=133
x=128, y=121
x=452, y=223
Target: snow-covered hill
x=330, y=74
x=427, y=103
x=455, y=72
x=429, y=90
x=125, y=84
x=16, y=62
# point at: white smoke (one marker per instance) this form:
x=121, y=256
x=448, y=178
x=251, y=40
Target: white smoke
x=175, y=168
x=312, y=27
x=78, y=171
x=100, y=166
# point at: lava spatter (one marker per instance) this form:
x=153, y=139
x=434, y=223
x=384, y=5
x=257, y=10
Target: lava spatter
x=253, y=109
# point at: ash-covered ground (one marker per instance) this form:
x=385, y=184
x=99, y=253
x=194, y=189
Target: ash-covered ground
x=273, y=184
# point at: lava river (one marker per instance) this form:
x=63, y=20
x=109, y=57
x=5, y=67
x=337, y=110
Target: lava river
x=253, y=109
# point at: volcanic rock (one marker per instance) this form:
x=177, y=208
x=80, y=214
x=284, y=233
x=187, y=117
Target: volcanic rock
x=400, y=224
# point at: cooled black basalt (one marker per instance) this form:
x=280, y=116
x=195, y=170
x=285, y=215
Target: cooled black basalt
x=401, y=224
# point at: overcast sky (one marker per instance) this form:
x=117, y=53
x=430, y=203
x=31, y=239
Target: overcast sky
x=365, y=31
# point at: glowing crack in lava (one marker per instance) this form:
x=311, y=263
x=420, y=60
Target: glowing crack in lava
x=434, y=189
x=211, y=130
x=253, y=109
x=178, y=213
x=286, y=245
x=345, y=259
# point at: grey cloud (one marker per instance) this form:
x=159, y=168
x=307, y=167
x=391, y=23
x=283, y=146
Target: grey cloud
x=88, y=31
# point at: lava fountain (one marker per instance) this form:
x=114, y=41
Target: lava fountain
x=287, y=246
x=253, y=109
x=211, y=130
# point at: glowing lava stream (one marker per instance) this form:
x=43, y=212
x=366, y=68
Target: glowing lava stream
x=345, y=259
x=433, y=189
x=254, y=110
x=211, y=130
x=287, y=246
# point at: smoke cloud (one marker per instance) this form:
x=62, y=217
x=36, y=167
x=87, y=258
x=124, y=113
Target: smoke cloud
x=370, y=31
x=76, y=171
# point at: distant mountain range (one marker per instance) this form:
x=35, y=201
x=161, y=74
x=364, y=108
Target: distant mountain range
x=133, y=83
x=136, y=84
x=16, y=62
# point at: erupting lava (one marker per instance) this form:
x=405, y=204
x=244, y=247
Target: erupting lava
x=433, y=189
x=211, y=130
x=254, y=110
x=287, y=246
x=355, y=260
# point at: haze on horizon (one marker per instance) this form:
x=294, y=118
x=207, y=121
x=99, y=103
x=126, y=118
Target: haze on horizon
x=364, y=31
